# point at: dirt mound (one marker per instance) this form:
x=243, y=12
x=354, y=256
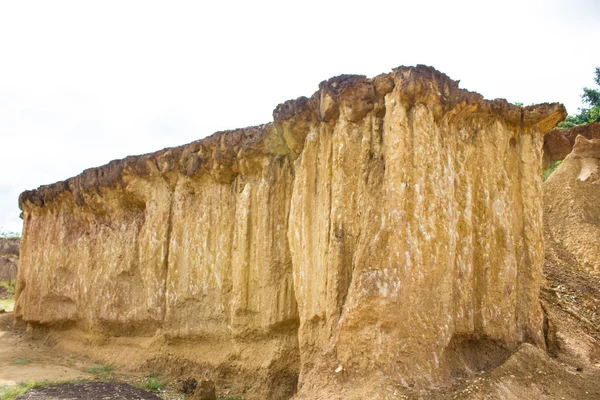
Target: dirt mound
x=571, y=286
x=89, y=391
x=571, y=199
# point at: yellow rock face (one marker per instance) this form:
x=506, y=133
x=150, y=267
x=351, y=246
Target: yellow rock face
x=373, y=233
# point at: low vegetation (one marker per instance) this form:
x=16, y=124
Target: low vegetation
x=548, y=171
x=7, y=305
x=14, y=392
x=10, y=286
x=102, y=372
x=22, y=361
x=9, y=235
x=151, y=383
x=11, y=393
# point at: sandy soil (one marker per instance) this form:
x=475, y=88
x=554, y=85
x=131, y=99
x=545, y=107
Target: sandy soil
x=24, y=360
x=529, y=373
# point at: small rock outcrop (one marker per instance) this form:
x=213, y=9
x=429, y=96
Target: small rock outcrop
x=9, y=258
x=205, y=390
x=385, y=232
x=558, y=143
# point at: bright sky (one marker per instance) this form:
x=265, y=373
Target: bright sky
x=83, y=83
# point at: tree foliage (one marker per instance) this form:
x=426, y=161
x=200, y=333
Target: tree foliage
x=586, y=115
x=9, y=235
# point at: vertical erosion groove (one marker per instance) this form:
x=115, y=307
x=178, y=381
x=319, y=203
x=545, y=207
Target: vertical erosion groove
x=165, y=263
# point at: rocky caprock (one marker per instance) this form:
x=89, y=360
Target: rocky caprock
x=384, y=232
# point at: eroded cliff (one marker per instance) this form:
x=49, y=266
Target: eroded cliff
x=384, y=232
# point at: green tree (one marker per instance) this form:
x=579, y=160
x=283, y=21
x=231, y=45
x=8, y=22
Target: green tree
x=9, y=235
x=586, y=115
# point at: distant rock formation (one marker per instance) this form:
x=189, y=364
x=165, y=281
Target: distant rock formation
x=559, y=142
x=9, y=258
x=385, y=232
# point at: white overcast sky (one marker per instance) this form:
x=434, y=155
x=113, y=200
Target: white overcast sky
x=86, y=82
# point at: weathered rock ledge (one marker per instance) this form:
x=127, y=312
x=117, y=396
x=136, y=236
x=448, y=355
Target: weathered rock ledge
x=223, y=150
x=376, y=234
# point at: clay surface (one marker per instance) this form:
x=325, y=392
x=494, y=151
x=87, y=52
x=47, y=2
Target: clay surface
x=385, y=231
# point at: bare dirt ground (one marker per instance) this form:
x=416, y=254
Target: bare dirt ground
x=23, y=359
x=530, y=373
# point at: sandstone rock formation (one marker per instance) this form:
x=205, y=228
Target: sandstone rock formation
x=384, y=233
x=558, y=143
x=9, y=258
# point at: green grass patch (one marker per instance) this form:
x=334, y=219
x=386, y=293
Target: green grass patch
x=152, y=383
x=11, y=393
x=10, y=286
x=14, y=392
x=7, y=305
x=22, y=361
x=551, y=168
x=105, y=372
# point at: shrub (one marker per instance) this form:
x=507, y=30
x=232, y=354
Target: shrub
x=151, y=383
x=548, y=171
x=105, y=372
